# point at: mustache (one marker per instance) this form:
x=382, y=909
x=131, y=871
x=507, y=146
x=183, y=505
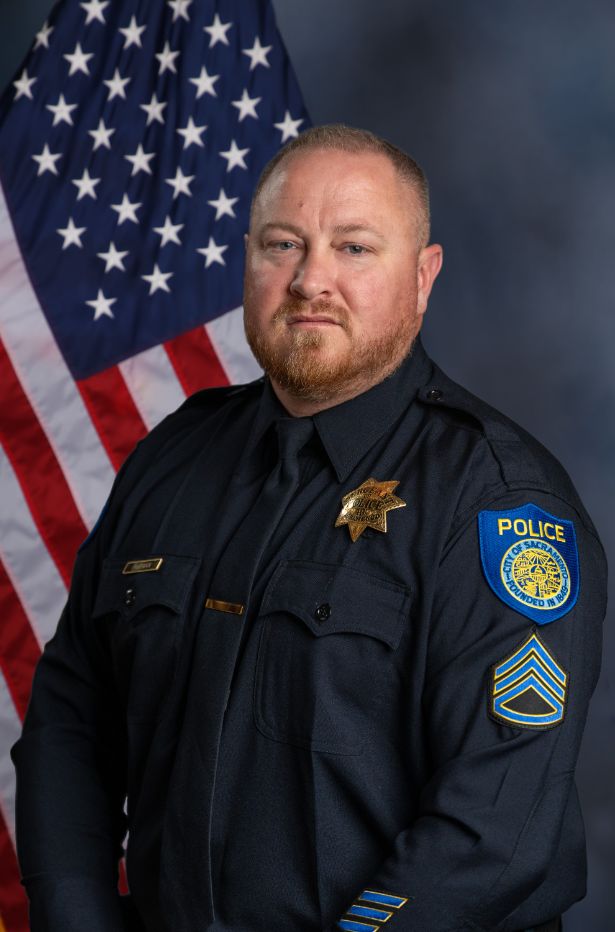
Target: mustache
x=297, y=307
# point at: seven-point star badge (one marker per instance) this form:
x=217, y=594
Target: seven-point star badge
x=367, y=506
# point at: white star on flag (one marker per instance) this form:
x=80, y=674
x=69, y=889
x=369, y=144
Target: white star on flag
x=180, y=8
x=180, y=184
x=47, y=161
x=140, y=161
x=169, y=232
x=288, y=127
x=224, y=205
x=192, y=134
x=132, y=33
x=62, y=111
x=94, y=10
x=117, y=86
x=102, y=305
x=78, y=60
x=127, y=210
x=205, y=83
x=166, y=59
x=217, y=31
x=154, y=110
x=86, y=185
x=257, y=54
x=158, y=280
x=113, y=258
x=24, y=85
x=101, y=135
x=71, y=234
x=247, y=106
x=213, y=253
x=235, y=157
x=42, y=37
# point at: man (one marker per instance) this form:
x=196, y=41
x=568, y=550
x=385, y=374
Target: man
x=336, y=634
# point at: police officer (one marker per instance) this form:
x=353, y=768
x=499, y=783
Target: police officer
x=329, y=653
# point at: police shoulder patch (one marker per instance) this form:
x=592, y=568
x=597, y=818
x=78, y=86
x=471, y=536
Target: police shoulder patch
x=530, y=560
x=529, y=688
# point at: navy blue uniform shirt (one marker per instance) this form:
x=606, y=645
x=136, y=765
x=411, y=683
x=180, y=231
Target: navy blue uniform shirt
x=354, y=733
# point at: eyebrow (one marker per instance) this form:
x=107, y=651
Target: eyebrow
x=341, y=229
x=358, y=227
x=290, y=227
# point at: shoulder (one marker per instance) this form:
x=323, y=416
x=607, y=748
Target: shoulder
x=503, y=457
x=198, y=412
x=175, y=442
x=207, y=403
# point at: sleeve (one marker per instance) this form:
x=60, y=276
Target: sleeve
x=70, y=763
x=498, y=842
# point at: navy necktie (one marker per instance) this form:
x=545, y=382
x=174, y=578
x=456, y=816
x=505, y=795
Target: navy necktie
x=233, y=577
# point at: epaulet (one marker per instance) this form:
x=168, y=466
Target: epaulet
x=521, y=458
x=443, y=392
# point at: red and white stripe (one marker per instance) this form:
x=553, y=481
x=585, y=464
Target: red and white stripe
x=61, y=442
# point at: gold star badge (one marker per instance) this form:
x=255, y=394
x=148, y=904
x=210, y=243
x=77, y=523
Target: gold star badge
x=367, y=506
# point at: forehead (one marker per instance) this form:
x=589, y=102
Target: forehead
x=328, y=182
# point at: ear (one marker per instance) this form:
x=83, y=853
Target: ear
x=429, y=265
x=246, y=239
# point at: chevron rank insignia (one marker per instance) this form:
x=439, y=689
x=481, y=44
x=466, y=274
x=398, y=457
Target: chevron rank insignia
x=370, y=910
x=528, y=689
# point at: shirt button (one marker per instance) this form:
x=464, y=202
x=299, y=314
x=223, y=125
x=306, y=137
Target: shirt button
x=129, y=596
x=323, y=612
x=434, y=394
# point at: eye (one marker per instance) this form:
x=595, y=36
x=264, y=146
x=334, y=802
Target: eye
x=354, y=249
x=284, y=245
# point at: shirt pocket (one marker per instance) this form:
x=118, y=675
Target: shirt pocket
x=328, y=634
x=142, y=615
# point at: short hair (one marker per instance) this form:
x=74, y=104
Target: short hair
x=343, y=138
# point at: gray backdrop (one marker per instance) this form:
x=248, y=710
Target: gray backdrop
x=510, y=108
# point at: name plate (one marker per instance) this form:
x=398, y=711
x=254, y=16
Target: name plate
x=143, y=566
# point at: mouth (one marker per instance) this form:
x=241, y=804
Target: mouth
x=306, y=321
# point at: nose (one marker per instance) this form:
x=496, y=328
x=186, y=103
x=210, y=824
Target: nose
x=314, y=277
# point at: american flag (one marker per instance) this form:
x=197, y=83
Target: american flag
x=130, y=142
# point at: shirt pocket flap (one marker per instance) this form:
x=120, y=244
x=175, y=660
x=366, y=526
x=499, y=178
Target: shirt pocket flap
x=333, y=599
x=130, y=592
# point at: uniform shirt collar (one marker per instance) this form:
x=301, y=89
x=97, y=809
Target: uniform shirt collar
x=348, y=430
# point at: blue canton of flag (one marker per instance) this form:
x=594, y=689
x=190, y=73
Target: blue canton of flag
x=132, y=141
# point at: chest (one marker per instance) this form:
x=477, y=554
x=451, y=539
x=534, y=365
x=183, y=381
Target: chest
x=337, y=627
